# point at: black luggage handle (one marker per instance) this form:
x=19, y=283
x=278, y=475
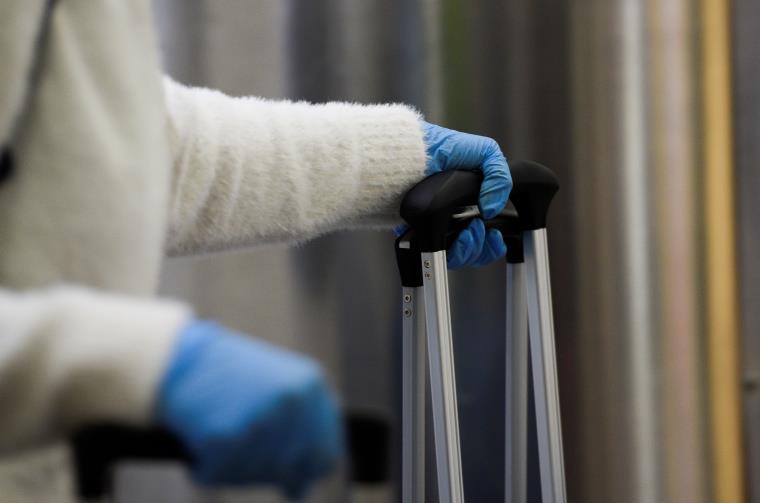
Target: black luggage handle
x=98, y=448
x=429, y=206
x=508, y=223
x=534, y=188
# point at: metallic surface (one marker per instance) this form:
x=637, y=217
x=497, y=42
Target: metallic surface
x=414, y=383
x=516, y=387
x=746, y=108
x=544, y=365
x=641, y=329
x=635, y=249
x=721, y=267
x=443, y=384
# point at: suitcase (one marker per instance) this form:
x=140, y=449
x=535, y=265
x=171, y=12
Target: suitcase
x=436, y=209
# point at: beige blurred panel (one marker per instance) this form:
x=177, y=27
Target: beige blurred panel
x=244, y=43
x=249, y=291
x=613, y=400
x=674, y=174
x=433, y=105
x=243, y=51
x=721, y=266
x=636, y=184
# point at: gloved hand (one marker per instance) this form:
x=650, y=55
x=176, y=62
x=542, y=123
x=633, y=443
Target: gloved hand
x=249, y=412
x=449, y=149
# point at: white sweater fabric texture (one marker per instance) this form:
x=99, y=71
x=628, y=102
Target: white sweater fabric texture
x=118, y=166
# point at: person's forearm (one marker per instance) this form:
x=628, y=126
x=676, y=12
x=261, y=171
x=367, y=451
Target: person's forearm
x=249, y=171
x=69, y=356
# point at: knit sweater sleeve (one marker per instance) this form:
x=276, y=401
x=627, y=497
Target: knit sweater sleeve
x=69, y=356
x=251, y=170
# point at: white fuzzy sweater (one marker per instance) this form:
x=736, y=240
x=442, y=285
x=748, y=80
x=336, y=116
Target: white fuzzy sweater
x=117, y=166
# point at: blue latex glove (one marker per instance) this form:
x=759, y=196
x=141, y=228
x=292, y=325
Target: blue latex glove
x=449, y=149
x=249, y=412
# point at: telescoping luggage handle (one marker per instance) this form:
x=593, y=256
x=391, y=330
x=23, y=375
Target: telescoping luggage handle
x=528, y=273
x=429, y=206
x=98, y=449
x=433, y=210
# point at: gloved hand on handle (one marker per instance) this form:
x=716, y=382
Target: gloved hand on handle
x=249, y=412
x=449, y=149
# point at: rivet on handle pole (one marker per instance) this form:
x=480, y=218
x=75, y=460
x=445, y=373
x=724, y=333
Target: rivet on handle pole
x=413, y=372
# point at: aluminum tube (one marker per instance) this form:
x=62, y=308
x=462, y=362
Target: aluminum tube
x=413, y=397
x=544, y=364
x=516, y=388
x=442, y=378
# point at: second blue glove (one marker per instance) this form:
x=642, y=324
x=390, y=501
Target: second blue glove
x=249, y=412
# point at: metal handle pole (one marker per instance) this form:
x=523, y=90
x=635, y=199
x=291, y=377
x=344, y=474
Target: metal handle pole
x=442, y=378
x=544, y=360
x=516, y=414
x=413, y=397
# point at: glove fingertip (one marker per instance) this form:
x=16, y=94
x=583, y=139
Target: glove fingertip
x=496, y=242
x=454, y=261
x=400, y=230
x=453, y=265
x=491, y=204
x=494, y=248
x=457, y=253
x=477, y=230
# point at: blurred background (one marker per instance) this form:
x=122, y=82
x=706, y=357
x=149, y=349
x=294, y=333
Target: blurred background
x=648, y=111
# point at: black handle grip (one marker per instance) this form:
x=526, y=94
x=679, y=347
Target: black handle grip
x=532, y=193
x=508, y=223
x=429, y=205
x=97, y=449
